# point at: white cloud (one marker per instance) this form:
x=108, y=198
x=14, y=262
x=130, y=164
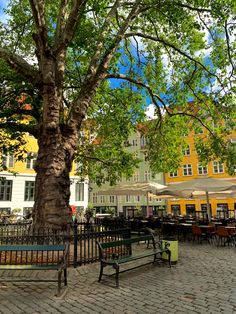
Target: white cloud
x=150, y=112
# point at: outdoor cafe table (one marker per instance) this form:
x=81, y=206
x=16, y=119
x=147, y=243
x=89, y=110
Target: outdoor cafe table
x=217, y=223
x=184, y=229
x=206, y=228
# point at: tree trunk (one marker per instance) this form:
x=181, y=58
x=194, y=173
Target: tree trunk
x=52, y=186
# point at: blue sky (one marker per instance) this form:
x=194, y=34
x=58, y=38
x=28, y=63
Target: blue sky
x=3, y=4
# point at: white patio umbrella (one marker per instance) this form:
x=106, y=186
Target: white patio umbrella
x=134, y=188
x=200, y=188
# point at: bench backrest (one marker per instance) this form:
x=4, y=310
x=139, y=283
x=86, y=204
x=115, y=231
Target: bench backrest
x=32, y=254
x=105, y=245
x=122, y=247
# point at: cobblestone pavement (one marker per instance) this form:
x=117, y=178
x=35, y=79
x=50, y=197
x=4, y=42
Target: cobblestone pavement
x=203, y=281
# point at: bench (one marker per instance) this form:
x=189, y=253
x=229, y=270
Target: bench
x=36, y=257
x=119, y=252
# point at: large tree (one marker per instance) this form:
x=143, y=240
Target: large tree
x=104, y=59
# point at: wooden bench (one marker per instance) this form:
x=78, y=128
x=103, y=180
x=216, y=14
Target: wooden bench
x=36, y=257
x=119, y=252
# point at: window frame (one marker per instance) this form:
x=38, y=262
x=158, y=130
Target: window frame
x=216, y=166
x=173, y=174
x=200, y=166
x=6, y=187
x=188, y=168
x=79, y=193
x=30, y=160
x=186, y=150
x=29, y=190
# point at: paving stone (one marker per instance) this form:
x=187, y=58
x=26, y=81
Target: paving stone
x=203, y=281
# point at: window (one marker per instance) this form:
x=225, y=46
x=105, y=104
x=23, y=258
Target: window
x=223, y=206
x=202, y=170
x=187, y=170
x=136, y=177
x=78, y=167
x=30, y=160
x=8, y=161
x=102, y=199
x=190, y=209
x=95, y=198
x=145, y=156
x=143, y=141
x=128, y=179
x=175, y=209
x=186, y=150
x=127, y=199
x=173, y=174
x=137, y=198
x=135, y=142
x=5, y=189
x=147, y=175
x=112, y=199
x=218, y=167
x=79, y=191
x=29, y=190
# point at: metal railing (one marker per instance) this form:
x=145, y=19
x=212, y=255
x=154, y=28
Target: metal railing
x=82, y=238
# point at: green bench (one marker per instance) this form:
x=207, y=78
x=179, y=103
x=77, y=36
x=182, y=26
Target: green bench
x=36, y=257
x=119, y=252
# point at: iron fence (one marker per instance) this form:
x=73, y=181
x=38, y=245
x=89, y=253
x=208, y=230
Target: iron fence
x=82, y=238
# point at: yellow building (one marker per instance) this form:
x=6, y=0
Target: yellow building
x=17, y=183
x=192, y=169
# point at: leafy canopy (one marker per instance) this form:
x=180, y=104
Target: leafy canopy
x=127, y=54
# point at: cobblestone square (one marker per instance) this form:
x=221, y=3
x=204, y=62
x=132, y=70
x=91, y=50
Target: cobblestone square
x=203, y=281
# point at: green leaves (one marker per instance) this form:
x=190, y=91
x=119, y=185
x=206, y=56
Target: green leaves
x=170, y=52
x=102, y=152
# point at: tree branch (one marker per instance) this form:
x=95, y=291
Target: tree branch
x=145, y=86
x=22, y=67
x=189, y=7
x=66, y=29
x=105, y=26
x=97, y=74
x=228, y=48
x=117, y=39
x=166, y=43
x=41, y=38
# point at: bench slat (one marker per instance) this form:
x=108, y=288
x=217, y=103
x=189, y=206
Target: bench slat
x=135, y=257
x=105, y=245
x=32, y=248
x=29, y=267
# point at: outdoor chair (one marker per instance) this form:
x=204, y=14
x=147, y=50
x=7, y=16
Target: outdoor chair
x=223, y=236
x=211, y=232
x=198, y=234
